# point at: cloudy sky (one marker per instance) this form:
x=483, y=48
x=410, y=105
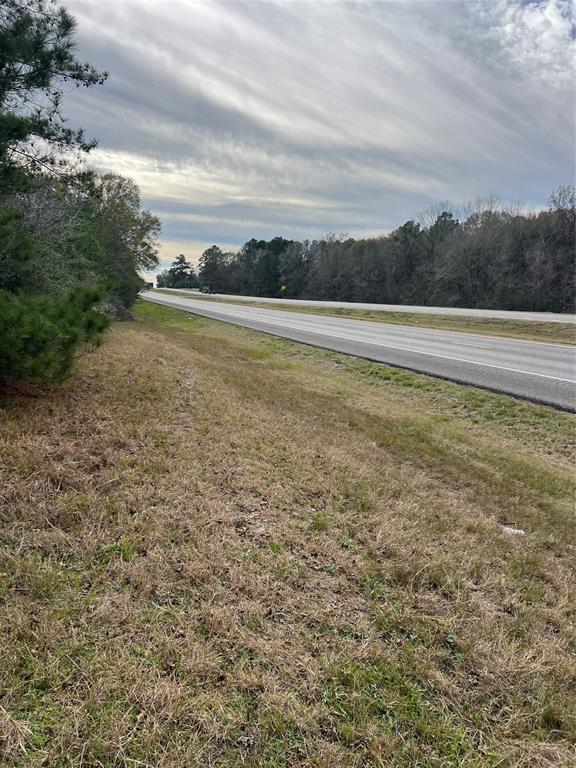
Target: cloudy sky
x=251, y=119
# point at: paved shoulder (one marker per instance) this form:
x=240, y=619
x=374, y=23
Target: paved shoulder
x=533, y=370
x=494, y=314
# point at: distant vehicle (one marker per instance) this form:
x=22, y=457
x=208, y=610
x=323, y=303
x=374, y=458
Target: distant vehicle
x=148, y=286
x=206, y=289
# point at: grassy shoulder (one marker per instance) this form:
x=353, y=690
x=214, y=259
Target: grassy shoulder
x=558, y=333
x=221, y=548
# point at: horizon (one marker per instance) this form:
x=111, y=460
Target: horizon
x=244, y=119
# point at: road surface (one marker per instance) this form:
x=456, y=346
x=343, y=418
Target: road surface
x=545, y=373
x=494, y=314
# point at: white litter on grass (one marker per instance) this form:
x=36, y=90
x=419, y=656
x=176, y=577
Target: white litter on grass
x=513, y=531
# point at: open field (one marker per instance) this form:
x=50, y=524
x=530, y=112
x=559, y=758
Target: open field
x=560, y=333
x=219, y=548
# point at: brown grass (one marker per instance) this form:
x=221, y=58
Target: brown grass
x=222, y=549
x=556, y=333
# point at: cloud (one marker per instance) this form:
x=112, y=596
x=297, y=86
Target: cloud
x=171, y=249
x=243, y=119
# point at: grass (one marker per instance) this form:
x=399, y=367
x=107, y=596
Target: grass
x=219, y=548
x=557, y=333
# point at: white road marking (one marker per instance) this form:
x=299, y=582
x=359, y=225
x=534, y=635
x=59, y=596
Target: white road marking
x=395, y=308
x=219, y=302
x=402, y=349
x=457, y=359
x=421, y=352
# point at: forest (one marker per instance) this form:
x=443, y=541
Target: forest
x=72, y=241
x=488, y=256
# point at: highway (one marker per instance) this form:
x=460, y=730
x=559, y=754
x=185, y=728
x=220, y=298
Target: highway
x=494, y=314
x=537, y=371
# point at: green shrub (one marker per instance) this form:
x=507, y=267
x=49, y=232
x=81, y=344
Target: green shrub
x=39, y=335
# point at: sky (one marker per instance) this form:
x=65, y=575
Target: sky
x=263, y=118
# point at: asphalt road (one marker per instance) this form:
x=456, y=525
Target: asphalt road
x=536, y=371
x=495, y=314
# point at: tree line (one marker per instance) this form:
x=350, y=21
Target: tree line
x=488, y=255
x=71, y=241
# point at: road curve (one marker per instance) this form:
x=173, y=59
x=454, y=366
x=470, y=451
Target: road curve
x=541, y=372
x=494, y=314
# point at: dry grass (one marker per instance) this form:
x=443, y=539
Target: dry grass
x=222, y=549
x=557, y=333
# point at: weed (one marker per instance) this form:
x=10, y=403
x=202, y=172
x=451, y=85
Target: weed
x=219, y=548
